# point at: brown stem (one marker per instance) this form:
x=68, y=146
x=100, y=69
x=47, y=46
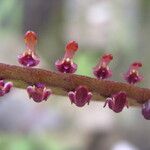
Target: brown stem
x=62, y=83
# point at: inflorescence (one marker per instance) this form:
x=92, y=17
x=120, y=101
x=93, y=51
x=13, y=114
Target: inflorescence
x=81, y=94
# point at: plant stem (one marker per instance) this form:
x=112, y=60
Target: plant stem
x=62, y=83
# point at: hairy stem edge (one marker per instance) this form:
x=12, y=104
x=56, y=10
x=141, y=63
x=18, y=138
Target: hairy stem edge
x=61, y=83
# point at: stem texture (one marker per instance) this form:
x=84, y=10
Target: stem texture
x=62, y=83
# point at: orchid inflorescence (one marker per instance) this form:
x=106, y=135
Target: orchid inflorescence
x=81, y=95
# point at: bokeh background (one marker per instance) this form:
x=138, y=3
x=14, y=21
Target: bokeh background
x=120, y=27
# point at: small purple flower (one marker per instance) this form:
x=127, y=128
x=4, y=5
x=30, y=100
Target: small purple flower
x=146, y=110
x=102, y=70
x=80, y=96
x=5, y=87
x=66, y=64
x=117, y=102
x=132, y=76
x=38, y=92
x=29, y=57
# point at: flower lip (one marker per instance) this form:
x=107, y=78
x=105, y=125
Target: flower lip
x=137, y=64
x=107, y=58
x=80, y=96
x=38, y=92
x=30, y=37
x=65, y=66
x=72, y=46
x=117, y=101
x=102, y=72
x=29, y=59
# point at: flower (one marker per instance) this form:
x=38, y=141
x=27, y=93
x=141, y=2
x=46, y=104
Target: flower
x=80, y=96
x=146, y=110
x=117, y=102
x=38, y=92
x=66, y=64
x=29, y=57
x=5, y=87
x=102, y=70
x=132, y=76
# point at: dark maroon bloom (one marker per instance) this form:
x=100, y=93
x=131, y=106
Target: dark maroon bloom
x=117, y=102
x=102, y=70
x=29, y=57
x=132, y=76
x=66, y=64
x=80, y=96
x=38, y=92
x=146, y=110
x=5, y=87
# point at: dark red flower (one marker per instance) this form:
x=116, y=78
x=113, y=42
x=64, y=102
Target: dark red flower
x=5, y=87
x=102, y=70
x=80, y=96
x=29, y=57
x=38, y=92
x=117, y=102
x=146, y=110
x=66, y=64
x=132, y=76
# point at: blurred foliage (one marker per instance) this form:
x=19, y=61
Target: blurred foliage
x=86, y=62
x=11, y=15
x=19, y=142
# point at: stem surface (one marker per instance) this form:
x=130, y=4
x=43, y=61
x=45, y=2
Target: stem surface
x=62, y=83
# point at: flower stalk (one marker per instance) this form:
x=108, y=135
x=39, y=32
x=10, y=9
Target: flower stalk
x=61, y=83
